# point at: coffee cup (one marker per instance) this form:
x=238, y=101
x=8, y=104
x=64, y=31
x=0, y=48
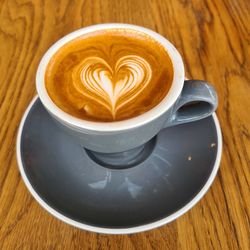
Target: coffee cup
x=186, y=101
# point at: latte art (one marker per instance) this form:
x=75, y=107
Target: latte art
x=112, y=88
x=109, y=75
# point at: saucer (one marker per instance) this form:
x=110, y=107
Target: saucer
x=62, y=176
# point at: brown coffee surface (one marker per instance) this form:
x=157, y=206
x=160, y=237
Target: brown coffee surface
x=109, y=75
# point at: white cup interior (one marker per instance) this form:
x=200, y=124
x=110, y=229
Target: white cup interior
x=158, y=110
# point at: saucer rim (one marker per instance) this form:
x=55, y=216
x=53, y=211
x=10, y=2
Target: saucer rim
x=129, y=230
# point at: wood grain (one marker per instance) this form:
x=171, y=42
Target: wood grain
x=213, y=38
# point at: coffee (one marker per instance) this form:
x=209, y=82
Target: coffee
x=109, y=75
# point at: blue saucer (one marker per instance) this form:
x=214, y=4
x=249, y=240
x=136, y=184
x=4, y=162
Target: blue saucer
x=179, y=167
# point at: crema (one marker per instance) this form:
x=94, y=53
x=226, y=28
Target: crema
x=109, y=75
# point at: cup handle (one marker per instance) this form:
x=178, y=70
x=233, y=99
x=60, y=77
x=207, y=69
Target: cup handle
x=198, y=100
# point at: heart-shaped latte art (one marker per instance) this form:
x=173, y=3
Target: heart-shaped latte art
x=112, y=87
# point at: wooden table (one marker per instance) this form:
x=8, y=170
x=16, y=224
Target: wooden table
x=213, y=38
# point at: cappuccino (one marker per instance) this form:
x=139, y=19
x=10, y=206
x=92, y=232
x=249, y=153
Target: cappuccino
x=109, y=75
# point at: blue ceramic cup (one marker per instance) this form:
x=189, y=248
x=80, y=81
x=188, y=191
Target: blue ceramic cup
x=186, y=101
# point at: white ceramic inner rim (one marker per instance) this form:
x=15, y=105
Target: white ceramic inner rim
x=130, y=230
x=165, y=104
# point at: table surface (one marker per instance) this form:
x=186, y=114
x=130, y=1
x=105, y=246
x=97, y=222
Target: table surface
x=213, y=38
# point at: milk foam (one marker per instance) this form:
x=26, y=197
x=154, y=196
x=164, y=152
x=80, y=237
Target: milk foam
x=111, y=87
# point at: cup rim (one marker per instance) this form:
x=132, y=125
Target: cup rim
x=150, y=115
